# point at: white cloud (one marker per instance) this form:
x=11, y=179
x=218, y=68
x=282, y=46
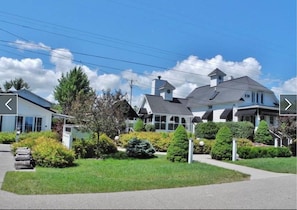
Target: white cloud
x=287, y=87
x=62, y=59
x=23, y=45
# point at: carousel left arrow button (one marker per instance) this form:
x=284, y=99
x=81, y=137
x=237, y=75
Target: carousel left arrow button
x=6, y=104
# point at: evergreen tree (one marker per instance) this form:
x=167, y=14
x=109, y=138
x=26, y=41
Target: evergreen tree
x=262, y=134
x=71, y=85
x=222, y=149
x=178, y=148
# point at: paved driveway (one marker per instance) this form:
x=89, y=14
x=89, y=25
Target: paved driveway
x=265, y=190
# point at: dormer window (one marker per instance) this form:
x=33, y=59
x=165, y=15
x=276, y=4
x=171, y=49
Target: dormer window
x=168, y=91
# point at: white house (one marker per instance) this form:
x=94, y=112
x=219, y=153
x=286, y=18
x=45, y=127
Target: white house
x=234, y=99
x=34, y=114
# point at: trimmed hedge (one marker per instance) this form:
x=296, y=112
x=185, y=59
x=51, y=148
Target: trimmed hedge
x=209, y=130
x=7, y=137
x=263, y=152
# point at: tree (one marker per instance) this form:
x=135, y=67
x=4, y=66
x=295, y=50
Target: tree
x=17, y=83
x=70, y=86
x=222, y=149
x=100, y=114
x=138, y=125
x=262, y=134
x=178, y=148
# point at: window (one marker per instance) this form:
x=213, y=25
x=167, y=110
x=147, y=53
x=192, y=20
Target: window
x=183, y=121
x=28, y=124
x=262, y=98
x=37, y=124
x=174, y=121
x=160, y=122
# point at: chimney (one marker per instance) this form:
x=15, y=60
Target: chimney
x=156, y=84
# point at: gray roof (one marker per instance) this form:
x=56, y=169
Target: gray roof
x=225, y=92
x=216, y=72
x=33, y=98
x=166, y=85
x=177, y=106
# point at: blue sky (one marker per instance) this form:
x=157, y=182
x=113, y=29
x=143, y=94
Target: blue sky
x=119, y=41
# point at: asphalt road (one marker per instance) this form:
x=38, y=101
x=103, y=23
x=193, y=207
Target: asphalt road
x=265, y=190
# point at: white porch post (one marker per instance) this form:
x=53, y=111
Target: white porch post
x=257, y=120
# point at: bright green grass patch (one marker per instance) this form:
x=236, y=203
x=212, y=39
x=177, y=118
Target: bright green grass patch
x=279, y=165
x=111, y=175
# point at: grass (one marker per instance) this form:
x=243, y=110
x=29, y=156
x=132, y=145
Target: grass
x=279, y=165
x=113, y=175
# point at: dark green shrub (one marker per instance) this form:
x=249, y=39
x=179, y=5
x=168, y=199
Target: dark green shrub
x=84, y=148
x=7, y=137
x=241, y=129
x=292, y=147
x=49, y=152
x=222, y=149
x=207, y=130
x=178, y=147
x=138, y=125
x=87, y=148
x=262, y=134
x=139, y=148
x=263, y=152
x=150, y=128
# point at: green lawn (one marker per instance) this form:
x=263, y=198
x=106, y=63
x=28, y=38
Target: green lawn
x=280, y=165
x=113, y=175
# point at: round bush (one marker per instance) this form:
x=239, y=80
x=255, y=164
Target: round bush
x=49, y=152
x=139, y=148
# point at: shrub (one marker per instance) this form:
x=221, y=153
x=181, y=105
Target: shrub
x=150, y=128
x=207, y=130
x=160, y=141
x=139, y=148
x=35, y=135
x=87, y=148
x=262, y=134
x=138, y=125
x=205, y=149
x=242, y=129
x=178, y=148
x=7, y=137
x=222, y=149
x=292, y=147
x=263, y=152
x=49, y=152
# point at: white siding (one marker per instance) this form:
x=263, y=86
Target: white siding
x=27, y=109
